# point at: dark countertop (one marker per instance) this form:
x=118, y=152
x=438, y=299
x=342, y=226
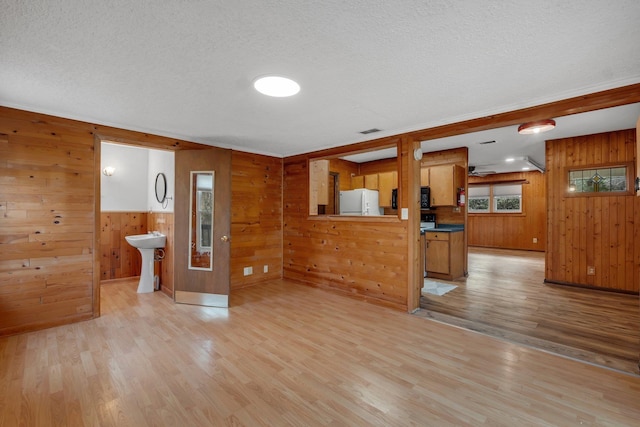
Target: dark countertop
x=444, y=228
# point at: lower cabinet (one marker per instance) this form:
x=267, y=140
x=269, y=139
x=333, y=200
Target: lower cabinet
x=444, y=254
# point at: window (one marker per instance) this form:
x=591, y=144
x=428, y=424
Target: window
x=507, y=198
x=479, y=198
x=495, y=198
x=599, y=180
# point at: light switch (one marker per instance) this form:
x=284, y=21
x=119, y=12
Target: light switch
x=404, y=213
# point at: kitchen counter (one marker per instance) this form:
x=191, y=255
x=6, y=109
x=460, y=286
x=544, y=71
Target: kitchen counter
x=443, y=253
x=444, y=228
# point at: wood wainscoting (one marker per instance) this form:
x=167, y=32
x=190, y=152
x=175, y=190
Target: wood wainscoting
x=118, y=259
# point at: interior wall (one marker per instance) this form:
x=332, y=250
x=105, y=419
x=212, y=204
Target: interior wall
x=365, y=257
x=345, y=169
x=127, y=190
x=513, y=231
x=49, y=226
x=256, y=218
x=161, y=161
x=598, y=231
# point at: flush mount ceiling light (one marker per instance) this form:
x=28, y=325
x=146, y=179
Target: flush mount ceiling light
x=536, y=127
x=276, y=86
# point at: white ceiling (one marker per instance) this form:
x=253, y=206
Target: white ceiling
x=184, y=68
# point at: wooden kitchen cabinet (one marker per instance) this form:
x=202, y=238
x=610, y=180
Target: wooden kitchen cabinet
x=387, y=181
x=371, y=181
x=424, y=177
x=357, y=181
x=444, y=181
x=444, y=254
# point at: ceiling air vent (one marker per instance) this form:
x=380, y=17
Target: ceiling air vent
x=372, y=130
x=486, y=142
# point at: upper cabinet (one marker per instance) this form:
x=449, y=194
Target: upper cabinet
x=357, y=181
x=329, y=176
x=444, y=181
x=387, y=181
x=424, y=177
x=384, y=182
x=371, y=181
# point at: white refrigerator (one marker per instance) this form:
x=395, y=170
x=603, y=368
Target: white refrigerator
x=359, y=202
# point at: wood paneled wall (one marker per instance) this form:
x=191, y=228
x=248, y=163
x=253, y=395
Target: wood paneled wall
x=513, y=231
x=346, y=170
x=364, y=257
x=601, y=231
x=118, y=259
x=49, y=181
x=379, y=166
x=46, y=226
x=256, y=218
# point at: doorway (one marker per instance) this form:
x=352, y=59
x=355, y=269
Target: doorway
x=148, y=214
x=128, y=206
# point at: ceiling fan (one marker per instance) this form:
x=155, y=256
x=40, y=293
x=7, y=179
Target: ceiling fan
x=473, y=170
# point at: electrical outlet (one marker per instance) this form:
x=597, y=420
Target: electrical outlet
x=248, y=271
x=591, y=270
x=265, y=269
x=535, y=240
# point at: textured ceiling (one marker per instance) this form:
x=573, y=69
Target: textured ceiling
x=184, y=68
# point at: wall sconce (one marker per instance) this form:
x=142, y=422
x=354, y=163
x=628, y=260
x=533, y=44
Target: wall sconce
x=108, y=171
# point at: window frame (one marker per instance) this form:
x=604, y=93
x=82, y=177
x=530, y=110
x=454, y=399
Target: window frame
x=629, y=171
x=492, y=198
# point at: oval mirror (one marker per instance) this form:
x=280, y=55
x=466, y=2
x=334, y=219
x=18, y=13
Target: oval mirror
x=161, y=187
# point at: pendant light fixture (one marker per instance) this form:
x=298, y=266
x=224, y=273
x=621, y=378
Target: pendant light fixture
x=538, y=126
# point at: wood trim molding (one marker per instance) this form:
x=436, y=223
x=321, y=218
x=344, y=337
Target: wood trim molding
x=97, y=144
x=579, y=104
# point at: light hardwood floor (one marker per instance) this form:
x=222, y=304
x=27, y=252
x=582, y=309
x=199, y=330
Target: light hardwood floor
x=505, y=296
x=288, y=354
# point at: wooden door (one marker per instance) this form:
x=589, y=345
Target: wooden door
x=201, y=286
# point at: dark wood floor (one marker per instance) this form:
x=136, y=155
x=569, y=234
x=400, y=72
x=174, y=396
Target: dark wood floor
x=505, y=296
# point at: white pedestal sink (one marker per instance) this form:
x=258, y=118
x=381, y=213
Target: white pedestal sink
x=147, y=244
